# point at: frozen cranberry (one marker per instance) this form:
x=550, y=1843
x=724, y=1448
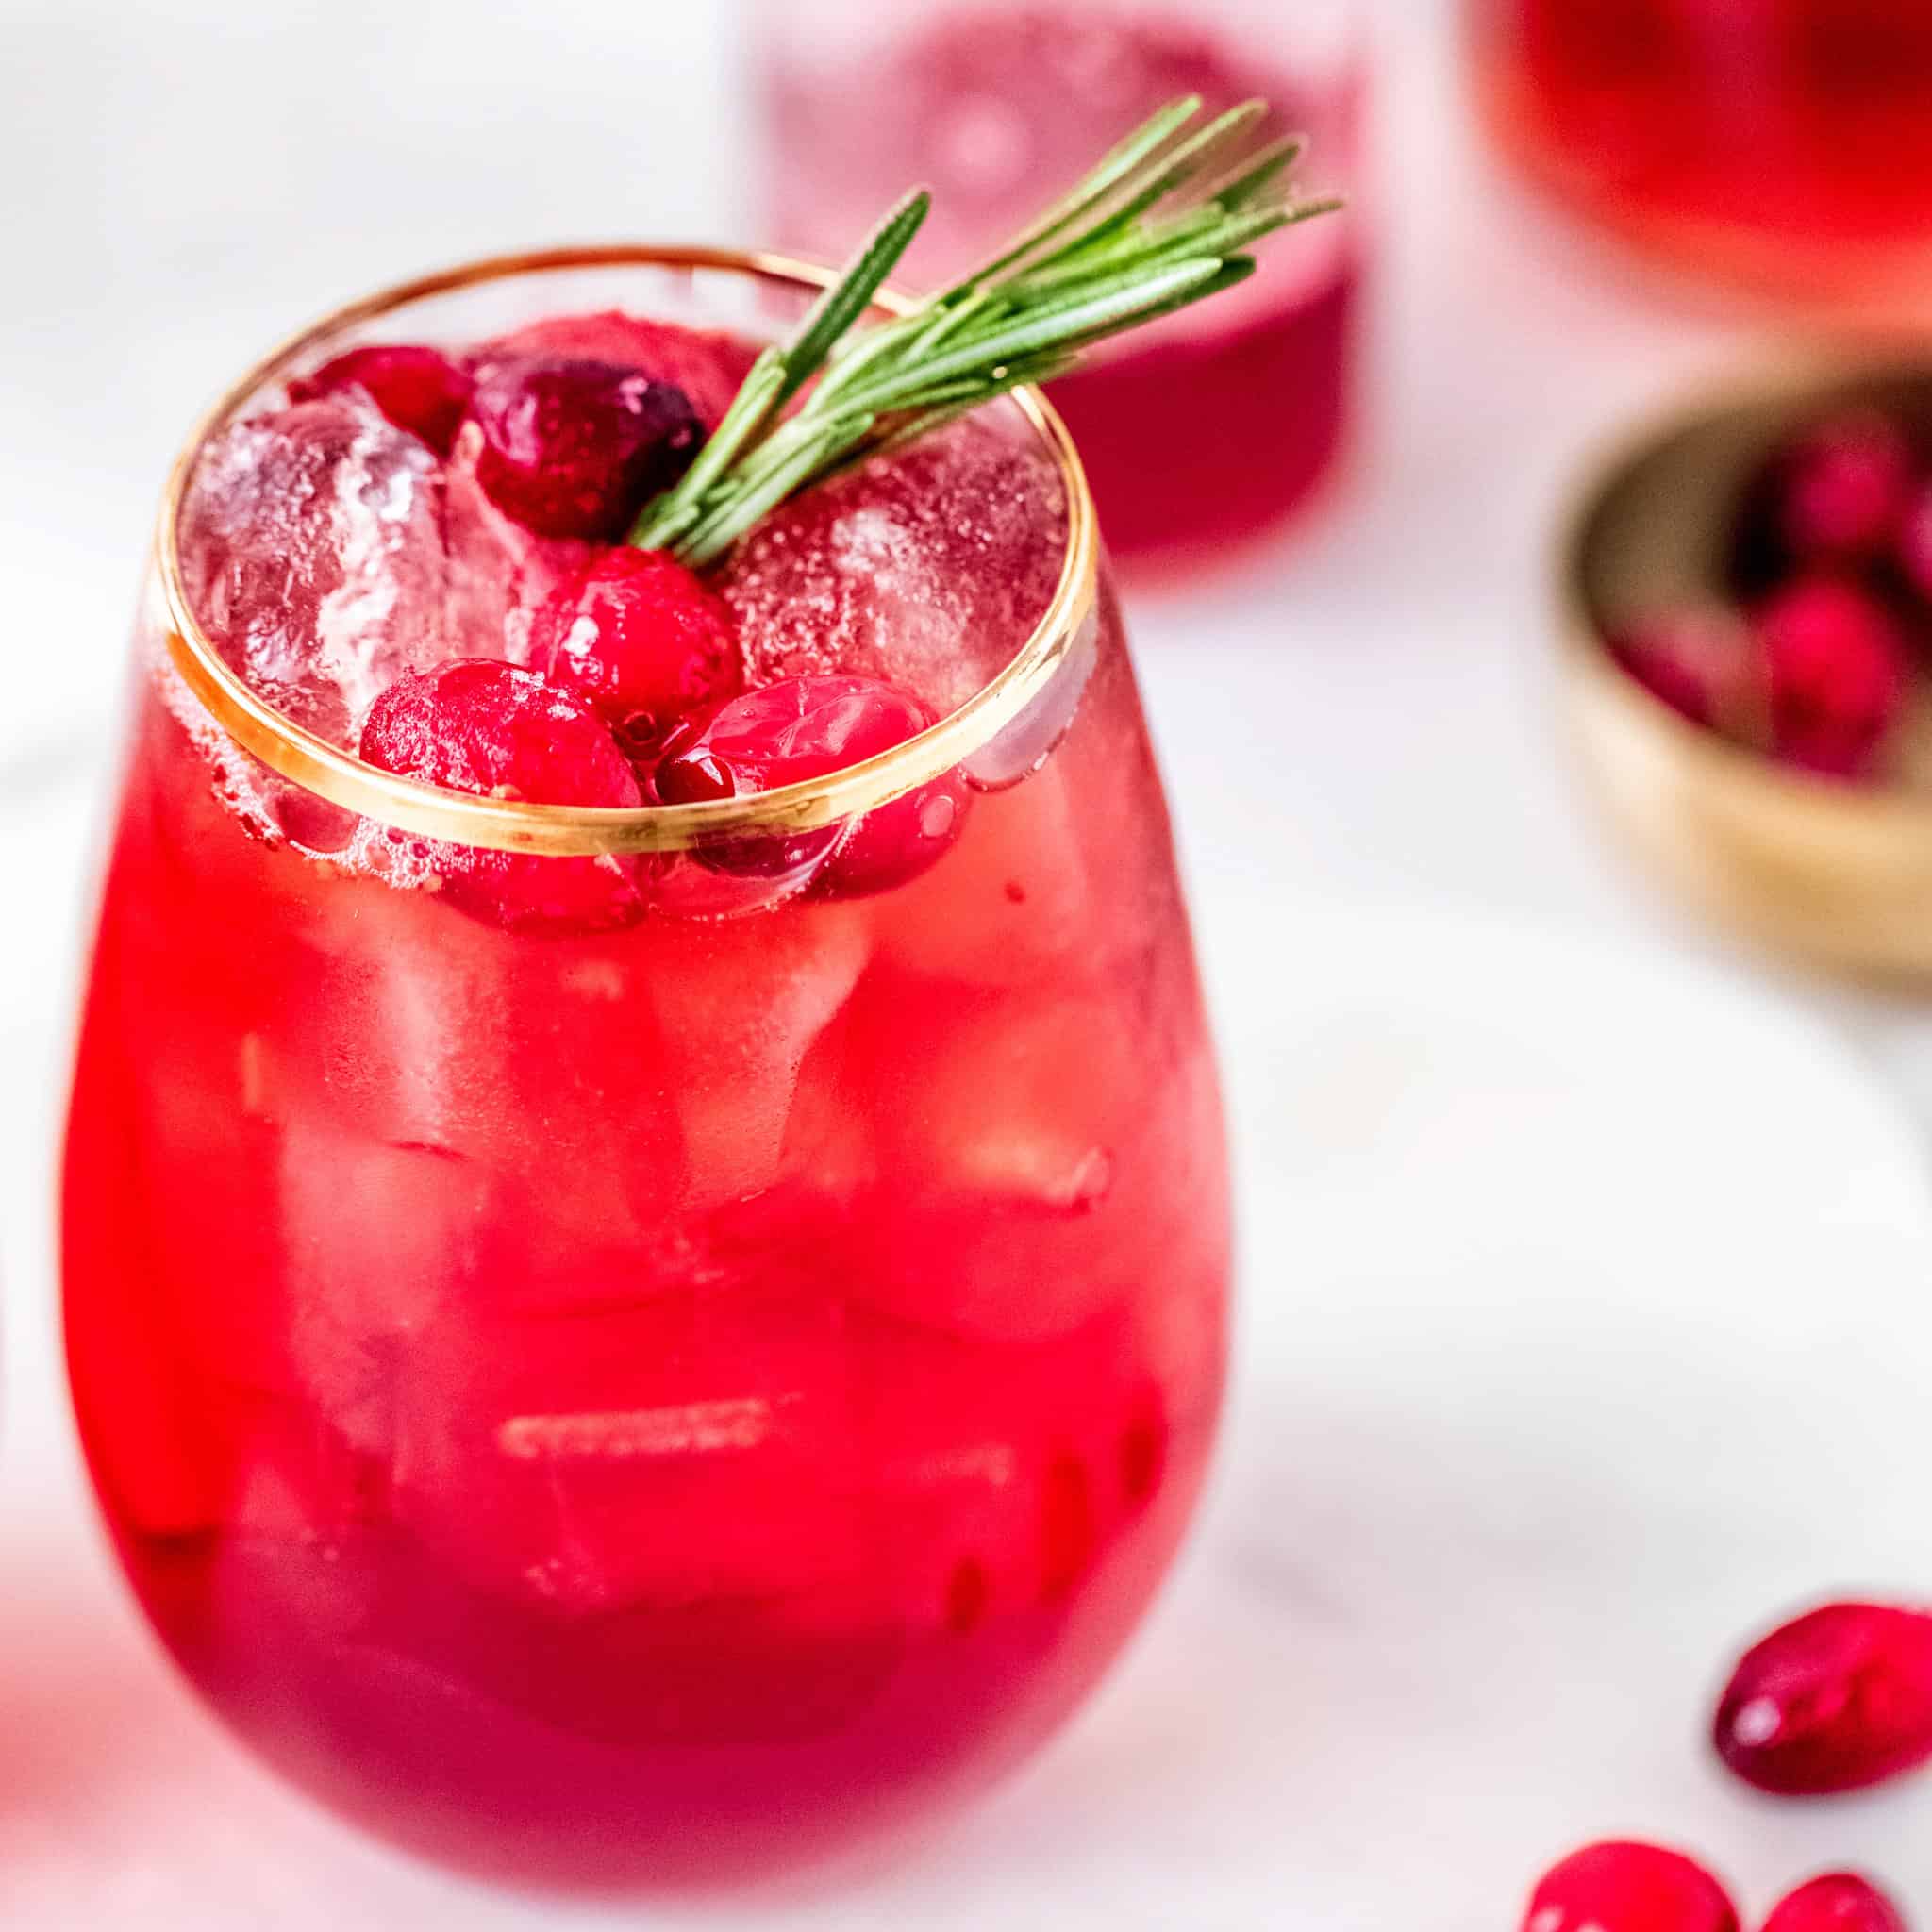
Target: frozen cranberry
x=1630, y=1888
x=1836, y=666
x=707, y=365
x=785, y=733
x=897, y=841
x=574, y=448
x=490, y=729
x=640, y=637
x=1842, y=1902
x=419, y=388
x=804, y=727
x=1700, y=661
x=1839, y=1699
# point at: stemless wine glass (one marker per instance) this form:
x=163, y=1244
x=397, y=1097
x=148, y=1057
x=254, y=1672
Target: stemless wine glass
x=1200, y=435
x=628, y=1407
x=1783, y=146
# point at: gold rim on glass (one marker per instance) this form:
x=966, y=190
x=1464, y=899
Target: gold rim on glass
x=561, y=830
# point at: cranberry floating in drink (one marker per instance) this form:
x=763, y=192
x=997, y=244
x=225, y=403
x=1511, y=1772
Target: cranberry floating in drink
x=1780, y=145
x=1203, y=433
x=646, y=1259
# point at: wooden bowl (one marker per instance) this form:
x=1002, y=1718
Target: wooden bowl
x=1832, y=875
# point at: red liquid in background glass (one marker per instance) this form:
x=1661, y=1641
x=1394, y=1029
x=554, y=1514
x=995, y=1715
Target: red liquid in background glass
x=615, y=1409
x=1199, y=434
x=1781, y=144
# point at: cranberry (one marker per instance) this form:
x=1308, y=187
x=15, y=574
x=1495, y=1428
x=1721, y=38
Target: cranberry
x=1630, y=1888
x=897, y=841
x=1844, y=487
x=1700, y=661
x=1842, y=1902
x=1836, y=666
x=706, y=364
x=1838, y=1700
x=487, y=727
x=785, y=733
x=1915, y=546
x=805, y=727
x=575, y=448
x=640, y=637
x=1837, y=493
x=419, y=388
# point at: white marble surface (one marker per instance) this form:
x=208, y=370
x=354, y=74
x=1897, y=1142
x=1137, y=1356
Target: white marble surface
x=1585, y=1312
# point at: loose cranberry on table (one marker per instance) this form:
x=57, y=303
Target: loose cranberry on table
x=805, y=727
x=1837, y=667
x=1838, y=1700
x=641, y=638
x=575, y=448
x=1840, y=1902
x=419, y=388
x=1629, y=1887
x=488, y=729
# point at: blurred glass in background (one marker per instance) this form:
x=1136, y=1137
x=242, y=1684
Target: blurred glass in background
x=1783, y=146
x=205, y=180
x=1207, y=431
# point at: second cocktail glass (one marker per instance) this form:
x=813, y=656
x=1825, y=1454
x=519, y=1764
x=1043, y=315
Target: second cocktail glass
x=1206, y=433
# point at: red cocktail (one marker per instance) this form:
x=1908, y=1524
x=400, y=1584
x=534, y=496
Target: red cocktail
x=1784, y=146
x=1199, y=435
x=627, y=1342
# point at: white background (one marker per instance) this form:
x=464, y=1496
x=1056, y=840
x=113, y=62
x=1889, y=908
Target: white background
x=1586, y=1265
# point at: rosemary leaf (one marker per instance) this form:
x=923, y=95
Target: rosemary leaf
x=847, y=299
x=1167, y=218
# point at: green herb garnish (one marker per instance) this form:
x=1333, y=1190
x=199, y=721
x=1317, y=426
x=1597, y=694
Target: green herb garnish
x=1166, y=219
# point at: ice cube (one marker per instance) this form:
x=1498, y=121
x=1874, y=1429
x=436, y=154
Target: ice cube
x=313, y=545
x=928, y=568
x=378, y=1238
x=1026, y=1104
x=1066, y=876
x=689, y=1440
x=992, y=1463
x=499, y=573
x=1020, y=1198
x=297, y=1479
x=1018, y=901
x=737, y=1015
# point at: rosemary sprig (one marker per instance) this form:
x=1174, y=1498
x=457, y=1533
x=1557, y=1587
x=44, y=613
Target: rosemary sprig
x=1167, y=219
